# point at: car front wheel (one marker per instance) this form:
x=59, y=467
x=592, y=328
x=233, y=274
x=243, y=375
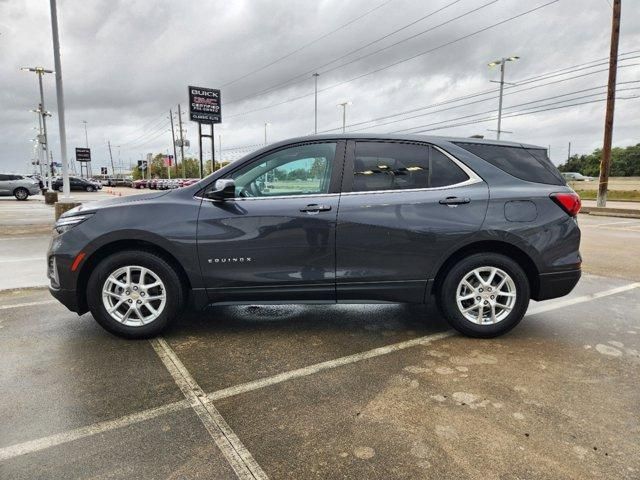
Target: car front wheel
x=135, y=294
x=484, y=295
x=90, y=188
x=21, y=193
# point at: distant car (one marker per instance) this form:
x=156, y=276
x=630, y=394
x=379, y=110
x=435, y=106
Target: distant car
x=141, y=183
x=96, y=182
x=576, y=177
x=119, y=182
x=20, y=186
x=152, y=184
x=75, y=183
x=187, y=181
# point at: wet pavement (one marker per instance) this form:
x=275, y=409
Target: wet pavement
x=367, y=391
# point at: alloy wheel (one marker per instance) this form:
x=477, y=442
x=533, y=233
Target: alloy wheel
x=134, y=295
x=486, y=295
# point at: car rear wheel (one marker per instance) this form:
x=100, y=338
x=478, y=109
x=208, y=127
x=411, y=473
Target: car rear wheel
x=484, y=295
x=60, y=188
x=135, y=294
x=21, y=193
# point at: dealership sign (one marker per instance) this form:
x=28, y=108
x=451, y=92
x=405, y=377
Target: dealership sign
x=83, y=154
x=204, y=105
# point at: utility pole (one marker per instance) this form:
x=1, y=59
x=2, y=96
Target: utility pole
x=344, y=114
x=569, y=152
x=181, y=142
x=220, y=149
x=605, y=163
x=39, y=144
x=502, y=63
x=111, y=157
x=315, y=129
x=39, y=71
x=86, y=143
x=173, y=141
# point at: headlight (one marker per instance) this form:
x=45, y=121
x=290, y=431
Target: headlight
x=65, y=223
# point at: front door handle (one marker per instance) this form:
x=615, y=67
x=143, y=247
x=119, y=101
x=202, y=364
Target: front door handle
x=453, y=201
x=315, y=208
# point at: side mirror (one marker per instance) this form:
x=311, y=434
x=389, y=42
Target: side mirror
x=223, y=189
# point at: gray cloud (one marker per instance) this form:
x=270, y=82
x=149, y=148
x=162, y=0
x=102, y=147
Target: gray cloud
x=125, y=63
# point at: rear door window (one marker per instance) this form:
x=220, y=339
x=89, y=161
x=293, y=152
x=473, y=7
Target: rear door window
x=380, y=166
x=530, y=164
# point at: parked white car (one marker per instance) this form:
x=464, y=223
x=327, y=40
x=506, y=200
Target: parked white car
x=19, y=186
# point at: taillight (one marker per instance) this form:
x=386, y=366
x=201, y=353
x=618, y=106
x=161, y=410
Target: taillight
x=569, y=202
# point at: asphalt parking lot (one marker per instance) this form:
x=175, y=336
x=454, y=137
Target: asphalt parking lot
x=367, y=391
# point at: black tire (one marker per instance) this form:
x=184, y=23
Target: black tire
x=60, y=188
x=174, y=291
x=21, y=194
x=90, y=188
x=447, y=295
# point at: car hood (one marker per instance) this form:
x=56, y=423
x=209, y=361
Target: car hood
x=113, y=202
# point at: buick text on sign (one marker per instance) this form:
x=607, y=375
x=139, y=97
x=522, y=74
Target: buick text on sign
x=204, y=105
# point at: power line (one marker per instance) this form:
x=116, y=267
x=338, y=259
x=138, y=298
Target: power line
x=465, y=97
x=293, y=80
x=308, y=44
x=160, y=122
x=516, y=114
x=464, y=37
x=513, y=106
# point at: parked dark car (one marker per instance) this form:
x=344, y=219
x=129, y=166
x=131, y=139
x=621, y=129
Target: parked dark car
x=477, y=226
x=75, y=183
x=140, y=183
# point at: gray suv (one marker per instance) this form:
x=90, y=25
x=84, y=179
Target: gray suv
x=479, y=227
x=18, y=186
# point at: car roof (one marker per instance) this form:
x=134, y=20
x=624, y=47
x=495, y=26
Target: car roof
x=415, y=138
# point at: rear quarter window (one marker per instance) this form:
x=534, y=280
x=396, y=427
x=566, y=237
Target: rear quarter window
x=529, y=164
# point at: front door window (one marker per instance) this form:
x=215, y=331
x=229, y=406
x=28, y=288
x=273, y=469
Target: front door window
x=299, y=170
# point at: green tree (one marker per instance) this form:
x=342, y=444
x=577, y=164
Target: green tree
x=625, y=162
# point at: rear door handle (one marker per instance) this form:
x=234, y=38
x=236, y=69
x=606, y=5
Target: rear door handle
x=315, y=208
x=453, y=201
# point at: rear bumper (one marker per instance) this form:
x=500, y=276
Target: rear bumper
x=558, y=284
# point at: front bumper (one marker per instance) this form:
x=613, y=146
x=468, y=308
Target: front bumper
x=67, y=297
x=557, y=284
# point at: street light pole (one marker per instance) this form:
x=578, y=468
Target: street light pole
x=502, y=63
x=265, y=132
x=60, y=98
x=315, y=129
x=344, y=114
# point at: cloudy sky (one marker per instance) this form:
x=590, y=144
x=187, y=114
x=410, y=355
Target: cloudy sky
x=404, y=65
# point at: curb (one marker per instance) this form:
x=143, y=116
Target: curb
x=611, y=212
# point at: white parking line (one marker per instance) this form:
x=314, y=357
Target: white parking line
x=69, y=436
x=553, y=305
x=620, y=222
x=27, y=304
x=227, y=441
x=25, y=259
x=319, y=367
x=102, y=427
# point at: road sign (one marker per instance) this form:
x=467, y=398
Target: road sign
x=204, y=105
x=142, y=164
x=103, y=170
x=83, y=154
x=168, y=160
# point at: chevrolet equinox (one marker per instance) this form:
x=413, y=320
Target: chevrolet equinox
x=478, y=226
